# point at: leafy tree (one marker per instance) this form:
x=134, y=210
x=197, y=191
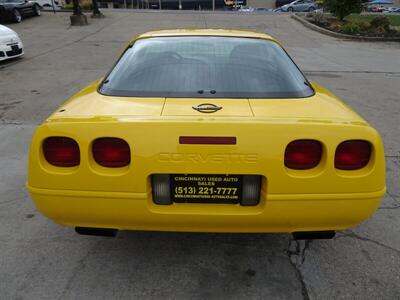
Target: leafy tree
x=343, y=8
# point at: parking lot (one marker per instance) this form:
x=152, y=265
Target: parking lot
x=42, y=260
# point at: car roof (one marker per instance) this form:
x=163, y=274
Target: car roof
x=206, y=32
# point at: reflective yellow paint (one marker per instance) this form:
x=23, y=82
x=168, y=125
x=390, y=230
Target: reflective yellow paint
x=206, y=32
x=319, y=199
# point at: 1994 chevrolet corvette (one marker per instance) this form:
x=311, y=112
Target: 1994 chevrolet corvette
x=206, y=131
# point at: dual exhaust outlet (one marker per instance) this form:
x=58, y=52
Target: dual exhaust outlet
x=300, y=235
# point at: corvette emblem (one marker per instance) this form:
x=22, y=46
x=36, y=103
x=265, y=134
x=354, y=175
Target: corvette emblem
x=207, y=108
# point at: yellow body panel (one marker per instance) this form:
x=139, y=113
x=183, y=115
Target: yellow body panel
x=322, y=198
x=206, y=32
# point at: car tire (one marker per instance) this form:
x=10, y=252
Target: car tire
x=36, y=10
x=290, y=9
x=311, y=9
x=17, y=17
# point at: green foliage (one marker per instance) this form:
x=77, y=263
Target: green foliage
x=367, y=25
x=68, y=6
x=393, y=18
x=364, y=25
x=381, y=24
x=85, y=5
x=343, y=8
x=378, y=25
x=351, y=28
x=355, y=27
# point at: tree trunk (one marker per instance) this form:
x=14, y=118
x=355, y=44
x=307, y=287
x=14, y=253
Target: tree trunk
x=77, y=8
x=96, y=11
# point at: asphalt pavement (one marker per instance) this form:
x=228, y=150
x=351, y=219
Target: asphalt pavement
x=42, y=260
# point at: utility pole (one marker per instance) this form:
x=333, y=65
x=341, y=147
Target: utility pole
x=159, y=4
x=213, y=4
x=52, y=4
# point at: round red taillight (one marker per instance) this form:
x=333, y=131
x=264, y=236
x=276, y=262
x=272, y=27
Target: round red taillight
x=303, y=154
x=111, y=152
x=61, y=151
x=352, y=155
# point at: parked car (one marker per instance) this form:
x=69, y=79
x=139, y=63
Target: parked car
x=262, y=9
x=300, y=5
x=10, y=44
x=47, y=3
x=380, y=2
x=185, y=137
x=15, y=10
x=246, y=9
x=392, y=9
x=280, y=3
x=376, y=8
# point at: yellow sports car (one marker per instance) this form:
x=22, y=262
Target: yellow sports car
x=206, y=131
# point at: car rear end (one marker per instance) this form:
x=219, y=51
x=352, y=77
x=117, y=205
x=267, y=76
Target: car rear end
x=207, y=133
x=251, y=174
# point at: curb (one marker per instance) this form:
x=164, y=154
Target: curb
x=64, y=11
x=342, y=35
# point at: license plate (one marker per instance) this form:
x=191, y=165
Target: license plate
x=200, y=188
x=14, y=48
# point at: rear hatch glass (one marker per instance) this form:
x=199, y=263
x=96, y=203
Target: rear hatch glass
x=206, y=67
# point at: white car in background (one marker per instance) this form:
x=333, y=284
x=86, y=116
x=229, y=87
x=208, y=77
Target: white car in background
x=10, y=44
x=246, y=9
x=392, y=10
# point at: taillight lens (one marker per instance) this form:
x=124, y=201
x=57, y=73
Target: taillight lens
x=61, y=151
x=303, y=154
x=352, y=155
x=111, y=152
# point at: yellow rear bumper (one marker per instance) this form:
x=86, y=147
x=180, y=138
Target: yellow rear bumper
x=276, y=213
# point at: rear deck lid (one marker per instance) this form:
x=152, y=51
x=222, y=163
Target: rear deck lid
x=207, y=107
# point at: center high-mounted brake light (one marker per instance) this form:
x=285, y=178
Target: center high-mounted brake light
x=61, y=151
x=303, y=154
x=111, y=152
x=207, y=140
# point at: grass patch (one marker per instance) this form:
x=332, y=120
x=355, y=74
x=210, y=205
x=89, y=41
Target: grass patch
x=394, y=19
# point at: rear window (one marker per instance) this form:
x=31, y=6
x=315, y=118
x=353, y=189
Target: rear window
x=206, y=67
